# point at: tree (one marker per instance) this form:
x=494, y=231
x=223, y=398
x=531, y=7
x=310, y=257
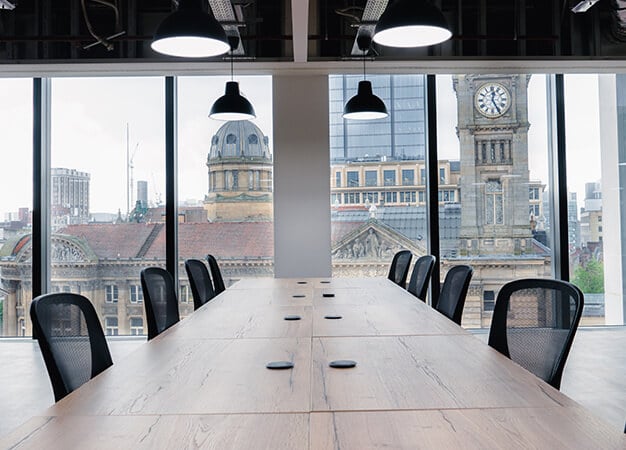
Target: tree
x=590, y=277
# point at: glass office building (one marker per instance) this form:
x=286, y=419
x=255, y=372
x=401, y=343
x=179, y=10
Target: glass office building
x=400, y=136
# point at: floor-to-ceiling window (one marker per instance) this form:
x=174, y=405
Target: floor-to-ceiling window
x=493, y=183
x=377, y=175
x=16, y=194
x=596, y=149
x=107, y=182
x=377, y=180
x=225, y=186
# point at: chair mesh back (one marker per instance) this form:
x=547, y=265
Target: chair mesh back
x=216, y=274
x=418, y=285
x=454, y=291
x=200, y=282
x=534, y=324
x=71, y=340
x=159, y=299
x=399, y=269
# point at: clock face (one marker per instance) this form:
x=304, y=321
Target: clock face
x=492, y=100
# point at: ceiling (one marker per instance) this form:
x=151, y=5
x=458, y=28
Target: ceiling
x=325, y=30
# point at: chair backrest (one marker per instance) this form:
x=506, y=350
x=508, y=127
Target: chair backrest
x=71, y=340
x=200, y=282
x=534, y=322
x=399, y=269
x=454, y=291
x=216, y=274
x=420, y=277
x=160, y=300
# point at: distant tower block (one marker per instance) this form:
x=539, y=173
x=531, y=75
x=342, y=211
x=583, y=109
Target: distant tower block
x=240, y=174
x=70, y=197
x=142, y=193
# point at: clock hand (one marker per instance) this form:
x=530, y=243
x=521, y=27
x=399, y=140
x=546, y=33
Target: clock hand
x=493, y=101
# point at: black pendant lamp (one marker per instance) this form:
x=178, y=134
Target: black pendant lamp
x=365, y=105
x=411, y=23
x=191, y=33
x=232, y=105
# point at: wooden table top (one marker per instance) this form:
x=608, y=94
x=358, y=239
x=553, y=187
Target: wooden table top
x=420, y=381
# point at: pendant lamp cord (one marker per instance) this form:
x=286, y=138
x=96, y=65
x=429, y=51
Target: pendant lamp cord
x=231, y=64
x=363, y=64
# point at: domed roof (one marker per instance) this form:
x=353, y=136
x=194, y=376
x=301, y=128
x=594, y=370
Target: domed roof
x=239, y=139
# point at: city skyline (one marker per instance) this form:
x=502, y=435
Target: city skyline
x=108, y=123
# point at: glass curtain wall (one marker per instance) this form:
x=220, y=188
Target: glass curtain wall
x=493, y=183
x=377, y=175
x=16, y=199
x=225, y=183
x=107, y=192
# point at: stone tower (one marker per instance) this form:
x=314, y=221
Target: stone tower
x=240, y=174
x=493, y=135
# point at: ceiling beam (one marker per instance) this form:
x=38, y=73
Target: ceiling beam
x=300, y=29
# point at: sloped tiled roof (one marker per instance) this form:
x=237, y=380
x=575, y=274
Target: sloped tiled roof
x=224, y=240
x=232, y=240
x=109, y=240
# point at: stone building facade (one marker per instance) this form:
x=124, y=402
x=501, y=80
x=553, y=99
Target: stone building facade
x=240, y=174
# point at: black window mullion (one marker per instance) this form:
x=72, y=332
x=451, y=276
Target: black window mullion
x=40, y=240
x=558, y=175
x=432, y=184
x=171, y=168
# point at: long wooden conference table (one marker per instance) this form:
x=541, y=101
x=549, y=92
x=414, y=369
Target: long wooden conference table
x=420, y=381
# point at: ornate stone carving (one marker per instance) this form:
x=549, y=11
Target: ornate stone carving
x=371, y=244
x=63, y=251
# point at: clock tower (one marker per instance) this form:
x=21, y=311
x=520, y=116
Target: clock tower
x=493, y=135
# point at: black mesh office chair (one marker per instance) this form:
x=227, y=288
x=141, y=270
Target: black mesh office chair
x=534, y=322
x=420, y=277
x=454, y=291
x=71, y=340
x=159, y=299
x=216, y=274
x=399, y=269
x=200, y=282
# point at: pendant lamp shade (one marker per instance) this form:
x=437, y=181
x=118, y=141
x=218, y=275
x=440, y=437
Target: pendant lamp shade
x=411, y=23
x=232, y=105
x=365, y=105
x=191, y=33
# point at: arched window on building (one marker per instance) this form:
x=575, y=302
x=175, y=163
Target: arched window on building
x=253, y=139
x=231, y=139
x=215, y=140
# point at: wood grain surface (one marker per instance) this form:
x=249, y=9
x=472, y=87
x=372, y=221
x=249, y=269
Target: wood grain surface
x=420, y=381
x=493, y=428
x=219, y=432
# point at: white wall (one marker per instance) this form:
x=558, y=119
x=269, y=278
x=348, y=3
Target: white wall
x=301, y=177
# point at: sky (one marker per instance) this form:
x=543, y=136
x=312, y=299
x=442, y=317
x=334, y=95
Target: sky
x=90, y=118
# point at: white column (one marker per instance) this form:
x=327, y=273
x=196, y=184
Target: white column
x=611, y=222
x=301, y=174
